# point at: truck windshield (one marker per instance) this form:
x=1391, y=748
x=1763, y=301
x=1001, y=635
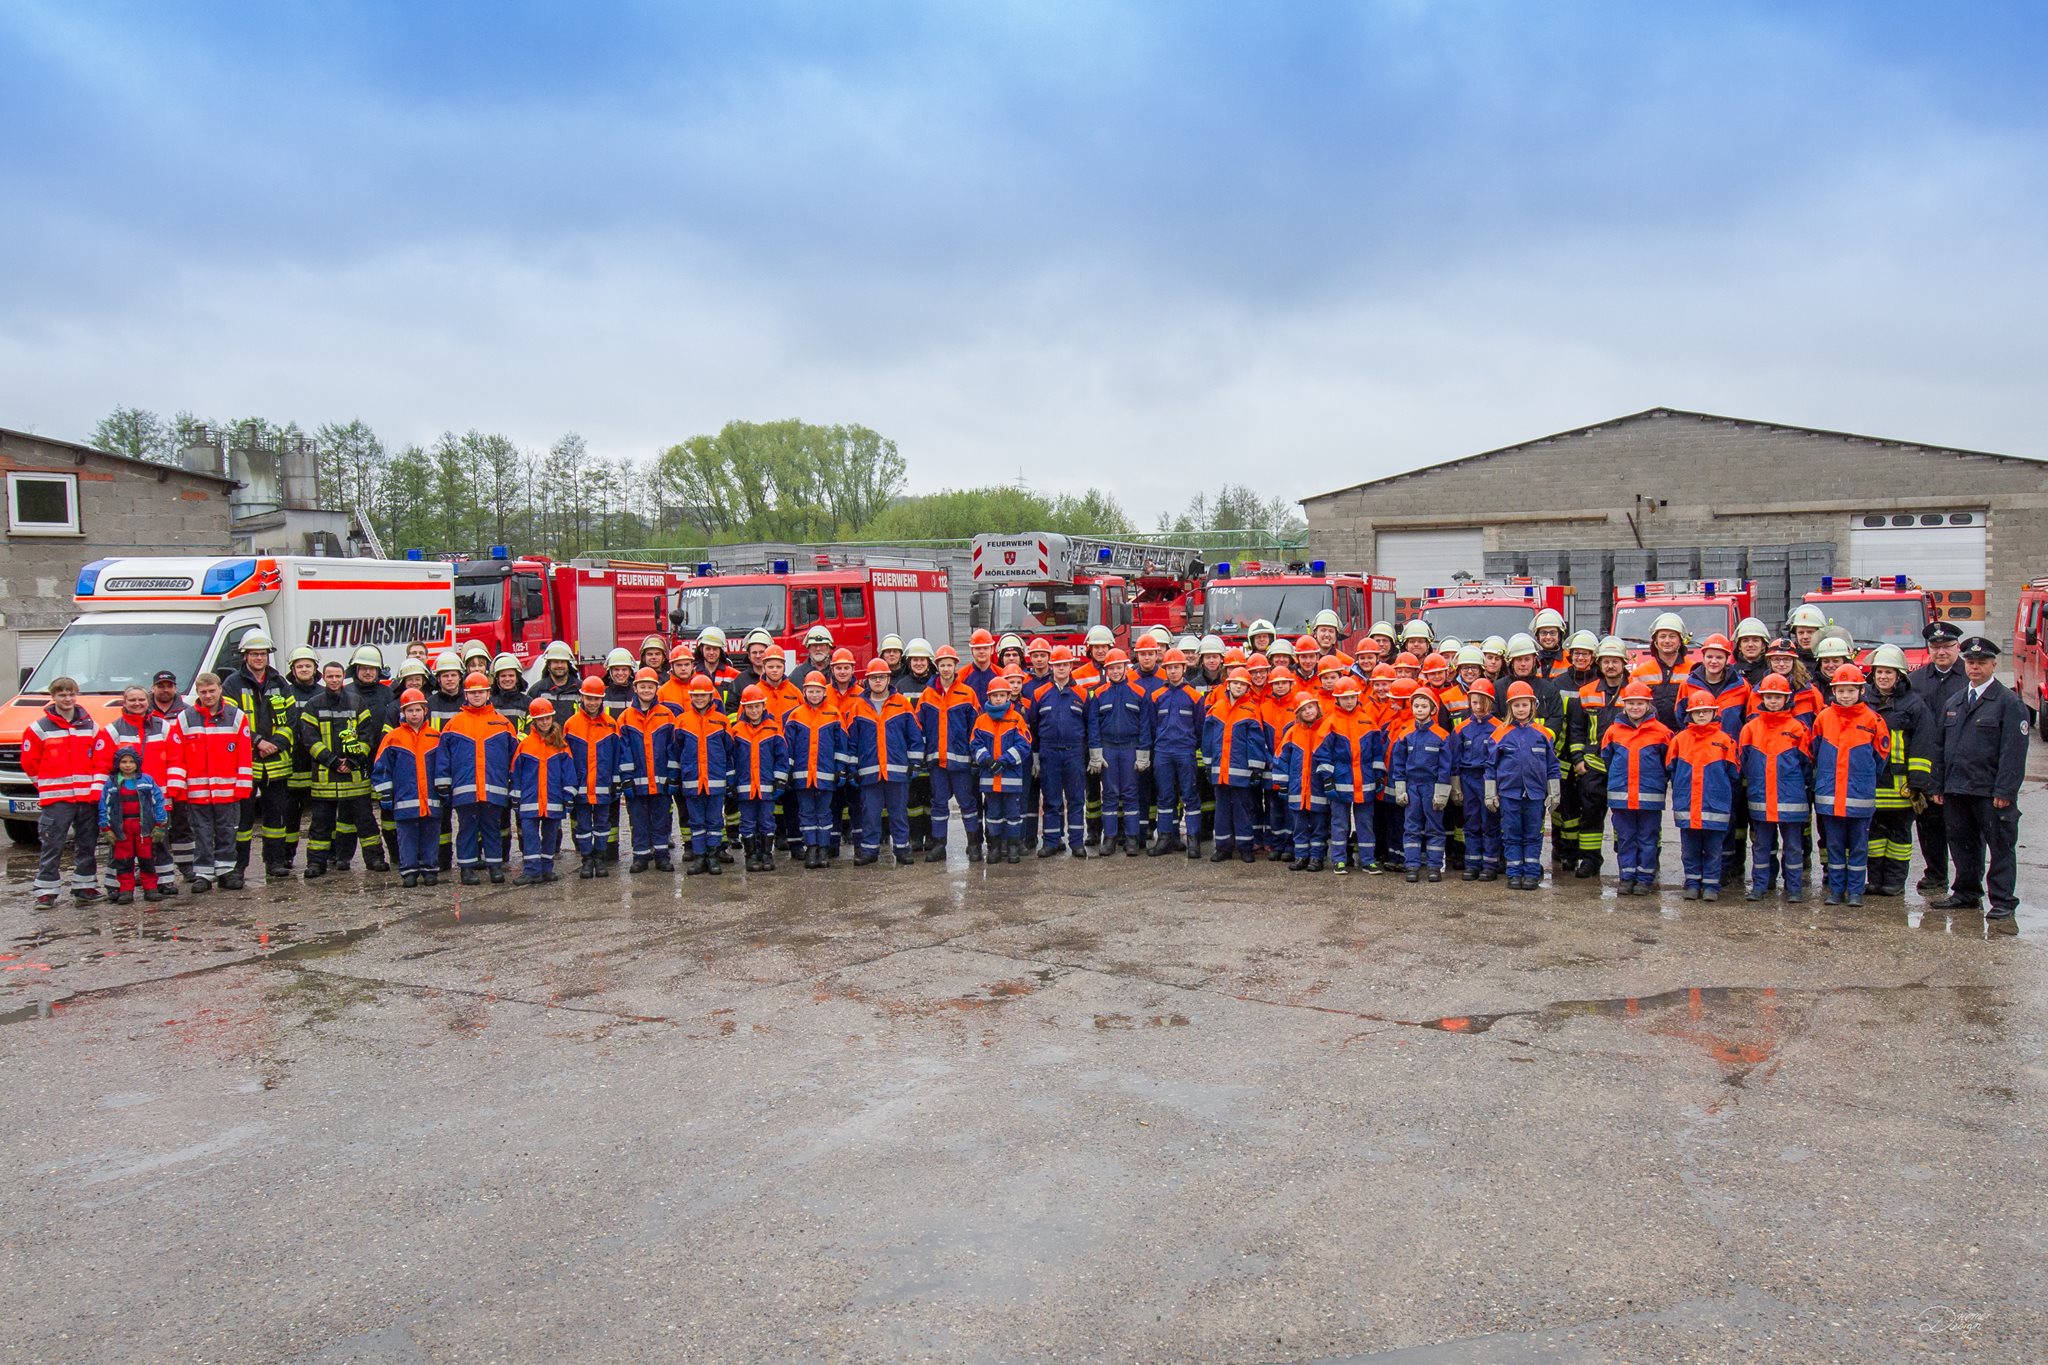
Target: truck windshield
x=1034, y=607
x=479, y=601
x=1890, y=621
x=1478, y=620
x=107, y=656
x=734, y=608
x=1290, y=607
x=1632, y=621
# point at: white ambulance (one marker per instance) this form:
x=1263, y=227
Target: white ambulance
x=189, y=615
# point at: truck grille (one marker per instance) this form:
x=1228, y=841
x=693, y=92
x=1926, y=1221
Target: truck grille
x=10, y=761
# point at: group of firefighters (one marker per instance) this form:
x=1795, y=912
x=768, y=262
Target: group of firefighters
x=1415, y=756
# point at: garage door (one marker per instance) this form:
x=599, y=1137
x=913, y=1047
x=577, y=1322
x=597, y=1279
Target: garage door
x=29, y=648
x=1942, y=551
x=1427, y=559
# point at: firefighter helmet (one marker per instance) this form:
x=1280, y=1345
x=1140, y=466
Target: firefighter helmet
x=1260, y=627
x=841, y=655
x=447, y=661
x=1848, y=675
x=1039, y=645
x=592, y=687
x=1417, y=629
x=306, y=652
x=1749, y=628
x=409, y=668
x=1009, y=642
x=702, y=683
x=1493, y=644
x=1519, y=690
x=711, y=635
x=759, y=636
x=1188, y=645
x=412, y=696
x=1702, y=700
x=1637, y=691
x=1611, y=647
x=540, y=706
x=1326, y=617
x=476, y=682
x=1211, y=644
x=1521, y=646
x=505, y=663
x=641, y=675
x=1385, y=628
x=1173, y=656
x=945, y=652
x=1717, y=641
x=755, y=695
x=890, y=642
x=1806, y=615
x=1668, y=620
x=1100, y=635
x=653, y=642
x=1887, y=656
x=877, y=668
x=618, y=658
x=366, y=656
x=817, y=635
x=1832, y=647
x=1582, y=639
x=1775, y=685
x=918, y=648
x=558, y=650
x=1471, y=655
x=1483, y=687
x=1280, y=649
x=1550, y=618
x=256, y=640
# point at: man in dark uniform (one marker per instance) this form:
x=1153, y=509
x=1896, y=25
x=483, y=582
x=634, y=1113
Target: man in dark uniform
x=1934, y=683
x=1977, y=772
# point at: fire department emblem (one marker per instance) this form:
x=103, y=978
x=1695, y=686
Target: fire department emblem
x=1009, y=556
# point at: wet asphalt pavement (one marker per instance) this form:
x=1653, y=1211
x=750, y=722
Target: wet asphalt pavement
x=1121, y=1110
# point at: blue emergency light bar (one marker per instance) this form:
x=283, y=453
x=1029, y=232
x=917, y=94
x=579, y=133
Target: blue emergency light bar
x=1898, y=582
x=1223, y=569
x=703, y=568
x=1316, y=567
x=1433, y=592
x=1827, y=583
x=501, y=552
x=1709, y=586
x=1102, y=553
x=1642, y=591
x=89, y=577
x=779, y=566
x=415, y=555
x=227, y=576
x=1529, y=592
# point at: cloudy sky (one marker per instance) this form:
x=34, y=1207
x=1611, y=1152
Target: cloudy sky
x=1151, y=246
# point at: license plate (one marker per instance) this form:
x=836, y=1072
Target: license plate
x=24, y=807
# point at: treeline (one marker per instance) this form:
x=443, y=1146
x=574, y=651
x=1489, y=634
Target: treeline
x=787, y=480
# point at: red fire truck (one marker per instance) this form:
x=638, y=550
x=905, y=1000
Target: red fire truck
x=1290, y=595
x=1057, y=587
x=1708, y=607
x=2030, y=649
x=516, y=605
x=1476, y=608
x=858, y=602
x=1888, y=610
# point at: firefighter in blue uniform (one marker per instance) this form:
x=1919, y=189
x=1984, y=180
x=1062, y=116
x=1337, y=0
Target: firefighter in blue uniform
x=1977, y=771
x=1934, y=682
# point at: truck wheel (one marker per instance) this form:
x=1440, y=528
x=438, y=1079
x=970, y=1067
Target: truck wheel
x=22, y=831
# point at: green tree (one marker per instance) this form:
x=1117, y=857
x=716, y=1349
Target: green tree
x=352, y=464
x=135, y=432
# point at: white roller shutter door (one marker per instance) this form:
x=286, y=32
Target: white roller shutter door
x=1426, y=559
x=1942, y=551
x=29, y=648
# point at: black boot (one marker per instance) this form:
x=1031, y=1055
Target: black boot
x=497, y=873
x=974, y=850
x=696, y=866
x=1221, y=855
x=1160, y=847
x=865, y=859
x=315, y=869
x=1194, y=850
x=937, y=854
x=1134, y=848
x=1016, y=851
x=470, y=876
x=714, y=865
x=588, y=869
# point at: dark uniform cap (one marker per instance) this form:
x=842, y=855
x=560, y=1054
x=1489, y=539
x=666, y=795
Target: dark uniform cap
x=1977, y=647
x=164, y=675
x=1942, y=632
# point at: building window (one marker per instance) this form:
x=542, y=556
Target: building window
x=42, y=504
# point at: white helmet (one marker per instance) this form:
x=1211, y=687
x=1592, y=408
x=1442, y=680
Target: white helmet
x=1385, y=628
x=1550, y=618
x=711, y=635
x=1009, y=642
x=1493, y=644
x=367, y=656
x=1260, y=627
x=817, y=635
x=1749, y=628
x=1888, y=656
x=1807, y=614
x=409, y=668
x=475, y=649
x=447, y=661
x=558, y=650
x=758, y=636
x=1281, y=648
x=1449, y=645
x=1100, y=635
x=1417, y=629
x=1212, y=644
x=504, y=663
x=1326, y=617
x=256, y=640
x=306, y=652
x=1470, y=654
x=890, y=642
x=1521, y=645
x=1832, y=647
x=1611, y=647
x=1668, y=620
x=618, y=658
x=1162, y=635
x=1190, y=646
x=918, y=648
x=1582, y=639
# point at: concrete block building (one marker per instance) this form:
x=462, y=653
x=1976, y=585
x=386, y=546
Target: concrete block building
x=1673, y=494
x=69, y=504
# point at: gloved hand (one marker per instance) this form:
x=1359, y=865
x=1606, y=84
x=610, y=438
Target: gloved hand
x=1400, y=793
x=1919, y=803
x=1457, y=786
x=1013, y=759
x=1144, y=760
x=1441, y=797
x=986, y=762
x=1551, y=799
x=1034, y=765
x=1493, y=796
x=1095, y=763
x=1579, y=768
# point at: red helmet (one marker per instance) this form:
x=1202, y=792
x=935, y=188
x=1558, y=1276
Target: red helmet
x=877, y=668
x=980, y=637
x=815, y=679
x=1847, y=675
x=540, y=706
x=476, y=682
x=1308, y=642
x=1062, y=655
x=1346, y=685
x=1234, y=657
x=702, y=683
x=1434, y=662
x=1383, y=672
x=412, y=697
x=1256, y=660
x=1481, y=687
x=1636, y=691
x=1404, y=688
x=1173, y=656
x=842, y=655
x=646, y=675
x=1038, y=645
x=592, y=687
x=1777, y=684
x=1117, y=656
x=1519, y=690
x=754, y=692
x=1717, y=641
x=948, y=652
x=1231, y=675
x=1329, y=666
x=1701, y=700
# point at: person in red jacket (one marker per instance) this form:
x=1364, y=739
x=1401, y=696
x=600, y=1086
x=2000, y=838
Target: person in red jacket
x=56, y=753
x=218, y=753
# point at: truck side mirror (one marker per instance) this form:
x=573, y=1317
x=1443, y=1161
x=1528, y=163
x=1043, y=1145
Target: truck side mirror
x=2033, y=637
x=22, y=682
